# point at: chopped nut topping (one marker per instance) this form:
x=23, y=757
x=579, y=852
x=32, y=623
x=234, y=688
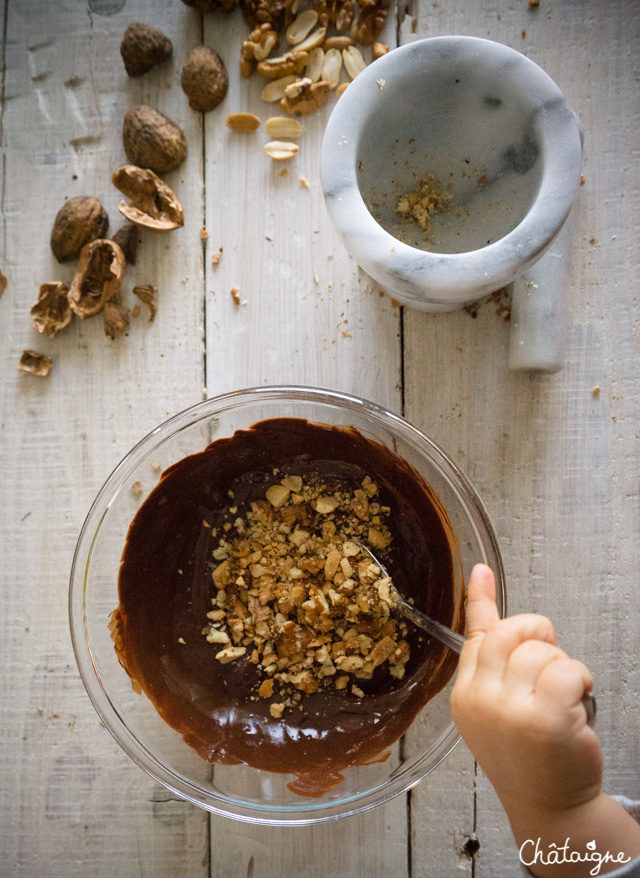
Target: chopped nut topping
x=296, y=593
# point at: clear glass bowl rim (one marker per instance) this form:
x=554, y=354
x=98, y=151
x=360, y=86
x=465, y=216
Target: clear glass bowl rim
x=404, y=777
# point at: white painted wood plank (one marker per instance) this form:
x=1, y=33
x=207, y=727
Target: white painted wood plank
x=71, y=803
x=302, y=292
x=556, y=465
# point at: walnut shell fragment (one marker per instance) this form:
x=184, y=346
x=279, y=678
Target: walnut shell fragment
x=212, y=5
x=3, y=283
x=97, y=278
x=127, y=240
x=116, y=319
x=153, y=140
x=34, y=363
x=204, y=79
x=153, y=204
x=80, y=219
x=147, y=294
x=304, y=97
x=143, y=47
x=52, y=312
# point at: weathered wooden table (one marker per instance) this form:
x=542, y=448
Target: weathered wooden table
x=555, y=461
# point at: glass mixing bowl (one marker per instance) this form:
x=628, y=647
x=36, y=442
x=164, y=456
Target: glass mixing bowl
x=239, y=791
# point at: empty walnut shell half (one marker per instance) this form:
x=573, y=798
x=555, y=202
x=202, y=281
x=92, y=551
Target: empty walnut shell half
x=153, y=140
x=153, y=204
x=34, y=363
x=52, y=312
x=204, y=79
x=97, y=278
x=143, y=47
x=79, y=220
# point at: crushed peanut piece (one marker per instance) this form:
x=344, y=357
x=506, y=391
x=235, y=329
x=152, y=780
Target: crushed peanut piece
x=235, y=295
x=421, y=204
x=136, y=489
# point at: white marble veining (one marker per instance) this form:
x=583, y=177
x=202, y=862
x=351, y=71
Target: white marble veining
x=487, y=123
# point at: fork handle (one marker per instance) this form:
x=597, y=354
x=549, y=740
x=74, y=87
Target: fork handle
x=445, y=635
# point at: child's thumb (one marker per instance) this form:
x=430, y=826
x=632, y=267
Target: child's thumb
x=482, y=611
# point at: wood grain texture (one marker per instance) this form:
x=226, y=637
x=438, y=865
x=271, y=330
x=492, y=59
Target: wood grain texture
x=555, y=464
x=71, y=803
x=311, y=317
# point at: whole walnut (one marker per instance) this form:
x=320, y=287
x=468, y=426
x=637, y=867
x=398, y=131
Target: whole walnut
x=143, y=47
x=212, y=5
x=79, y=220
x=153, y=140
x=204, y=79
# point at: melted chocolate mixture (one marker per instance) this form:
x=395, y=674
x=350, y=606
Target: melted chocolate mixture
x=165, y=591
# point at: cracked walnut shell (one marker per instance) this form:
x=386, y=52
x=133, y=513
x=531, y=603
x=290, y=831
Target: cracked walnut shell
x=97, y=278
x=35, y=363
x=52, y=311
x=153, y=140
x=80, y=219
x=153, y=204
x=204, y=79
x=304, y=97
x=143, y=47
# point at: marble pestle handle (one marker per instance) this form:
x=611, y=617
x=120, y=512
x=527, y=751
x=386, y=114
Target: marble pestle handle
x=539, y=308
x=539, y=304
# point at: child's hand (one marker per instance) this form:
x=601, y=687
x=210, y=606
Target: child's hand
x=517, y=702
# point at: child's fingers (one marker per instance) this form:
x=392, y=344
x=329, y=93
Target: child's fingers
x=482, y=613
x=501, y=640
x=563, y=683
x=525, y=665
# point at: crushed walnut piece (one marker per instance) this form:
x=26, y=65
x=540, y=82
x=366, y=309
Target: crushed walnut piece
x=296, y=592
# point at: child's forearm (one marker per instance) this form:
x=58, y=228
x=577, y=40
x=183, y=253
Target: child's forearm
x=542, y=838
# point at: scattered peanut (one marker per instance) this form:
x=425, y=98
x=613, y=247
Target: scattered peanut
x=243, y=122
x=280, y=150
